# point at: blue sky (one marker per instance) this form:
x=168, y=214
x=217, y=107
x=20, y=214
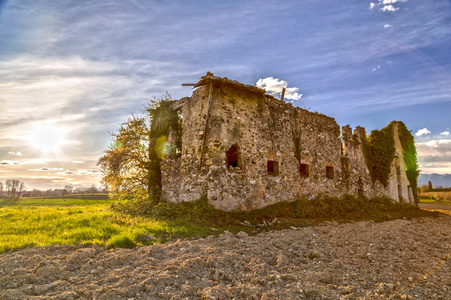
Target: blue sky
x=71, y=71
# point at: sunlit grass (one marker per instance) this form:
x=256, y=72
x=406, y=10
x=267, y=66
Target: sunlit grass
x=444, y=195
x=438, y=202
x=23, y=227
x=68, y=201
x=138, y=222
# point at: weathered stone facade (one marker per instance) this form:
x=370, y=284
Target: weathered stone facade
x=245, y=149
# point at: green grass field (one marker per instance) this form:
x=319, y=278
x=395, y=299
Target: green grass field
x=31, y=222
x=441, y=195
x=57, y=201
x=438, y=202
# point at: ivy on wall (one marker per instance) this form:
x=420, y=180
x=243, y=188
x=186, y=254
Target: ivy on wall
x=410, y=157
x=379, y=152
x=162, y=119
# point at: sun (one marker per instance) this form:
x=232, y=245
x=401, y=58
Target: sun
x=47, y=138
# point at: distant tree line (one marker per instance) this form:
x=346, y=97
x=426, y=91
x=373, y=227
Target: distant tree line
x=11, y=188
x=430, y=188
x=67, y=190
x=14, y=188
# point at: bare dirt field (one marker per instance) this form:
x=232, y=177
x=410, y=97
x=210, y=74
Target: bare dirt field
x=402, y=259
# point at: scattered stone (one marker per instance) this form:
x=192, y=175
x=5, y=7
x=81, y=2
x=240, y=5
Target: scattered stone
x=313, y=254
x=148, y=237
x=242, y=235
x=281, y=260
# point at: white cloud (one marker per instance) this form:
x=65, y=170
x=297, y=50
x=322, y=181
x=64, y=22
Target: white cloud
x=78, y=162
x=422, y=132
x=389, y=8
x=388, y=26
x=292, y=94
x=80, y=172
x=274, y=87
x=386, y=5
x=445, y=133
x=46, y=169
x=9, y=162
x=377, y=68
x=67, y=172
x=16, y=154
x=435, y=143
x=434, y=156
x=391, y=1
x=87, y=172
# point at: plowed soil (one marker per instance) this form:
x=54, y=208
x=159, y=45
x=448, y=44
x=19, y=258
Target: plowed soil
x=402, y=259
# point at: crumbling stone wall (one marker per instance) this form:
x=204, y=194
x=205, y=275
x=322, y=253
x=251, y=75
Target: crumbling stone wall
x=245, y=149
x=399, y=185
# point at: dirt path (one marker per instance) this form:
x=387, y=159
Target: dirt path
x=403, y=259
x=435, y=207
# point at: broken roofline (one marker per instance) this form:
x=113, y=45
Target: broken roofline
x=210, y=77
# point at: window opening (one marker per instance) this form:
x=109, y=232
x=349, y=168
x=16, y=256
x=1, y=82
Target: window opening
x=401, y=200
x=345, y=166
x=329, y=172
x=360, y=192
x=232, y=157
x=409, y=191
x=304, y=170
x=272, y=167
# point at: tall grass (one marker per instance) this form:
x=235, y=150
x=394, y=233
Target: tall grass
x=139, y=222
x=23, y=227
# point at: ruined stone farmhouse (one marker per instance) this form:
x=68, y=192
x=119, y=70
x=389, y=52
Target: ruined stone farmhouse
x=245, y=149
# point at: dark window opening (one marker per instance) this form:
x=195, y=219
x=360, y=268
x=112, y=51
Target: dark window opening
x=345, y=166
x=304, y=170
x=329, y=172
x=272, y=167
x=232, y=157
x=360, y=192
x=401, y=200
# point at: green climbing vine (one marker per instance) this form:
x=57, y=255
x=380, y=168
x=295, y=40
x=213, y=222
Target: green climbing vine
x=162, y=119
x=131, y=163
x=410, y=157
x=379, y=152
